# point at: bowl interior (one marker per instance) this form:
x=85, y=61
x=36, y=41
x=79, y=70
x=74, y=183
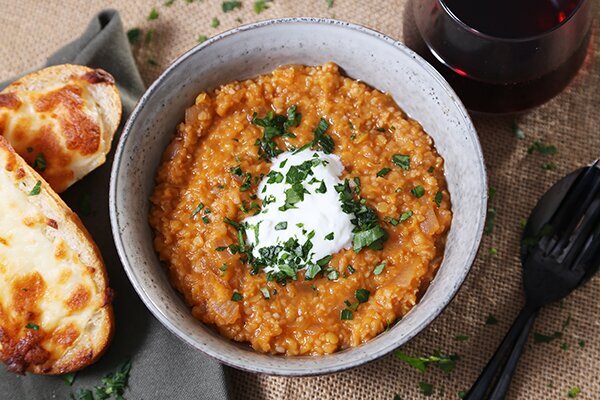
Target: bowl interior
x=256, y=49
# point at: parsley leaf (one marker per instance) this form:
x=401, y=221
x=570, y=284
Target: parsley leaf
x=362, y=295
x=541, y=148
x=491, y=320
x=202, y=38
x=438, y=198
x=402, y=160
x=198, y=208
x=281, y=226
x=383, y=172
x=517, y=131
x=69, y=378
x=379, y=268
x=265, y=292
x=236, y=296
x=133, y=35
x=231, y=5
x=274, y=126
x=36, y=189
x=39, y=163
x=426, y=388
x=346, y=315
x=573, y=392
x=215, y=22
x=406, y=215
x=260, y=6
x=32, y=326
x=153, y=14
x=418, y=191
x=312, y=271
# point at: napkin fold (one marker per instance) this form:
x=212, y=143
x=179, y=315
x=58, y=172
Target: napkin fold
x=162, y=366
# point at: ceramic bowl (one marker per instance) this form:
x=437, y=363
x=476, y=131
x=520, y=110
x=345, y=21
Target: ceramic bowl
x=256, y=49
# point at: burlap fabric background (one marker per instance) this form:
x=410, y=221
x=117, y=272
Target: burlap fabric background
x=30, y=30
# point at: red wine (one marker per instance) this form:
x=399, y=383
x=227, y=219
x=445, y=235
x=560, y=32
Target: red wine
x=501, y=56
x=507, y=98
x=512, y=19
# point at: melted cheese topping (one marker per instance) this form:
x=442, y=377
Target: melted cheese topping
x=43, y=282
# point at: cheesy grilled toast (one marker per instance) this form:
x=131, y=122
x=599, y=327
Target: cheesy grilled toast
x=61, y=120
x=55, y=303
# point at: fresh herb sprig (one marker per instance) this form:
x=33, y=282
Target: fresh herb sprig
x=368, y=231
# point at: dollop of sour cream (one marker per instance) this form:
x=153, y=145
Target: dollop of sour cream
x=300, y=201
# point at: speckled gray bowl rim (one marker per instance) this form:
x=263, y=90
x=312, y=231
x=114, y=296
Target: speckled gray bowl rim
x=207, y=349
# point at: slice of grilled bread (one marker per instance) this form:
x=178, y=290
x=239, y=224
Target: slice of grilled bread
x=55, y=303
x=61, y=120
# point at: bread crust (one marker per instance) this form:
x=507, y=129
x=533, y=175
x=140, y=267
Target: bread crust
x=77, y=329
x=61, y=120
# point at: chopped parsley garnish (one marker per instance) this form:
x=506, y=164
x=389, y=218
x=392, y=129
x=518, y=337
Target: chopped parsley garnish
x=151, y=61
x=549, y=166
x=438, y=198
x=149, y=36
x=362, y=295
x=367, y=231
x=231, y=5
x=202, y=38
x=418, y=191
x=573, y=392
x=322, y=140
x=32, y=326
x=168, y=3
x=221, y=248
x=402, y=160
x=281, y=226
x=224, y=267
x=329, y=236
x=215, y=23
x=39, y=163
x=445, y=362
x=332, y=274
x=379, y=268
x=383, y=172
x=517, y=131
x=426, y=388
x=461, y=338
x=351, y=269
x=153, y=14
x=493, y=251
x=36, y=189
x=392, y=221
x=329, y=3
x=113, y=385
x=406, y=215
x=541, y=148
x=198, y=208
x=69, y=378
x=133, y=35
x=237, y=170
x=293, y=195
x=274, y=177
x=237, y=296
x=312, y=271
x=491, y=320
x=491, y=213
x=265, y=292
x=260, y=6
x=542, y=338
x=322, y=188
x=581, y=343
x=275, y=126
x=346, y=315
x=246, y=182
x=205, y=219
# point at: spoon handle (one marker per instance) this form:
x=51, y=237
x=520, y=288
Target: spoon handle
x=501, y=389
x=495, y=366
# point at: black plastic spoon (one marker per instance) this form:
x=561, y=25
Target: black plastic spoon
x=560, y=250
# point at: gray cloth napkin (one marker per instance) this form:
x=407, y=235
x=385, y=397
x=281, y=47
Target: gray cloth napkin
x=162, y=366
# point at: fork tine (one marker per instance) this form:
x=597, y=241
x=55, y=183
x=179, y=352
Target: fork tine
x=571, y=210
x=583, y=236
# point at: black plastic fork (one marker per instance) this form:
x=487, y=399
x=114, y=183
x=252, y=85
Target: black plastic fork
x=560, y=250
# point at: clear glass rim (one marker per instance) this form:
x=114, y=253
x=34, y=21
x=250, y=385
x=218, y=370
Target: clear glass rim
x=513, y=40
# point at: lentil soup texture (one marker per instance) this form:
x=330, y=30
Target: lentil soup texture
x=197, y=197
